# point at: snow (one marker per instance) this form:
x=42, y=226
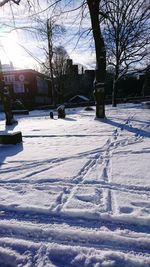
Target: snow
x=76, y=191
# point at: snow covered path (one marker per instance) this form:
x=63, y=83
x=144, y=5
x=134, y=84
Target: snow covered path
x=76, y=192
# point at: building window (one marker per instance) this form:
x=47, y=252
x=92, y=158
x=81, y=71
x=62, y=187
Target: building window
x=9, y=78
x=18, y=87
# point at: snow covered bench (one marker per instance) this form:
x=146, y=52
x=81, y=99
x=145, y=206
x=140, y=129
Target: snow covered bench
x=11, y=138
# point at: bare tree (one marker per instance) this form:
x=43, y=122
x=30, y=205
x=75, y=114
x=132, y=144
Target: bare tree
x=49, y=29
x=48, y=32
x=127, y=35
x=59, y=66
x=60, y=61
x=60, y=57
x=92, y=6
x=100, y=72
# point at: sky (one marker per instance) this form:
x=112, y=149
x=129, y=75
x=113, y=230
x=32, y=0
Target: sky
x=23, y=48
x=76, y=191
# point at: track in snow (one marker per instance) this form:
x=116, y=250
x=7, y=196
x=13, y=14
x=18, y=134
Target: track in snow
x=58, y=226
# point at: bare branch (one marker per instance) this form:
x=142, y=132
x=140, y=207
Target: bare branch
x=2, y=3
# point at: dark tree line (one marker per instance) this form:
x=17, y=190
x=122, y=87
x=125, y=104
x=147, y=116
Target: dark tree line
x=127, y=36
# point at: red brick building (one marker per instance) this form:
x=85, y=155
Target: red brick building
x=29, y=86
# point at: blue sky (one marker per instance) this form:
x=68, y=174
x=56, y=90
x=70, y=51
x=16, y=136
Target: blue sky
x=15, y=44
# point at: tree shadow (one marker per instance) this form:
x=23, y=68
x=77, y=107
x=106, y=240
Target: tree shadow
x=66, y=119
x=8, y=151
x=135, y=130
x=69, y=119
x=133, y=119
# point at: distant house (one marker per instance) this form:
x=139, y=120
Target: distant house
x=29, y=86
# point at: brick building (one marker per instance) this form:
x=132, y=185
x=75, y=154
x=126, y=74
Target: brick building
x=29, y=86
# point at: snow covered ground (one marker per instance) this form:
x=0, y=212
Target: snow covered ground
x=76, y=192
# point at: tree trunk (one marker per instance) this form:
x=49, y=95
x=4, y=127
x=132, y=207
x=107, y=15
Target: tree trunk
x=2, y=84
x=50, y=55
x=114, y=92
x=100, y=72
x=115, y=84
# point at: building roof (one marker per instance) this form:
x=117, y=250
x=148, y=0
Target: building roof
x=81, y=97
x=14, y=71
